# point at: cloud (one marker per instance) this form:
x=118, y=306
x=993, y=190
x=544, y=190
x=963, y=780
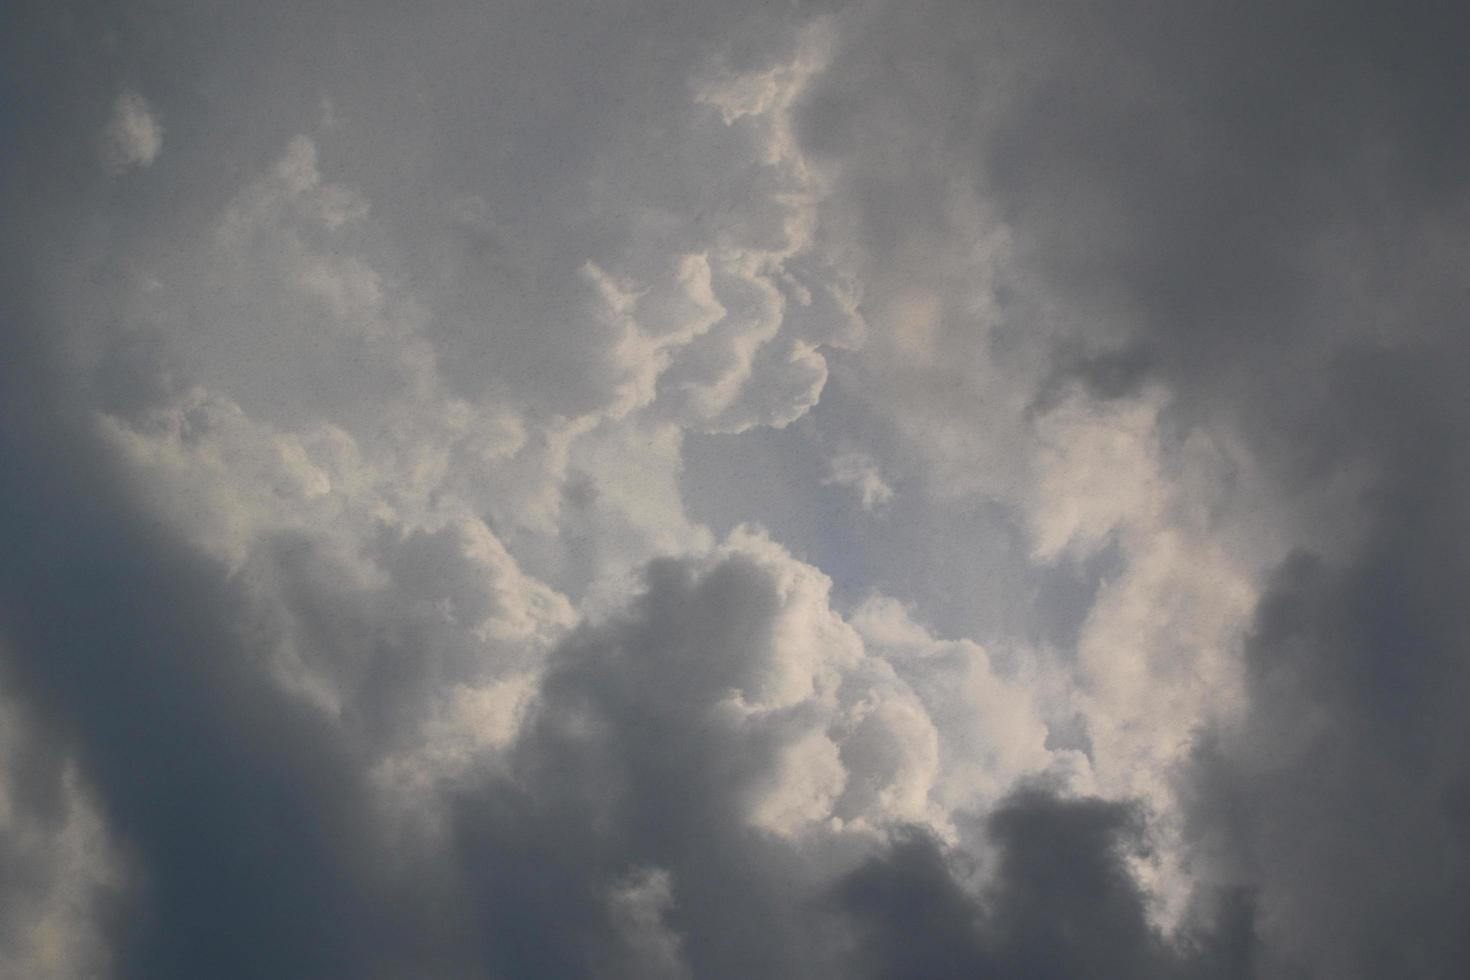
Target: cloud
x=60, y=867
x=1340, y=796
x=133, y=136
x=382, y=583
x=639, y=906
x=860, y=471
x=1135, y=214
x=1061, y=903
x=730, y=740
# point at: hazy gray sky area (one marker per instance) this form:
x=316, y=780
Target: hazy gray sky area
x=732, y=490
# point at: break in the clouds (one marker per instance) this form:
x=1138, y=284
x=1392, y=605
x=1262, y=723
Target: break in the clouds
x=731, y=490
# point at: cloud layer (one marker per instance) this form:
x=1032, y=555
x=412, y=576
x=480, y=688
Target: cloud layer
x=708, y=490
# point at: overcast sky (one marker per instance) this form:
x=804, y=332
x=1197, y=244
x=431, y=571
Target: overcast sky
x=732, y=490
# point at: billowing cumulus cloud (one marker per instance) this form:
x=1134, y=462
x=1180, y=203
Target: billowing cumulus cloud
x=729, y=490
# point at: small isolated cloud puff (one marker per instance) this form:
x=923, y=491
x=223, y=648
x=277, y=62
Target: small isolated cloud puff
x=133, y=136
x=859, y=471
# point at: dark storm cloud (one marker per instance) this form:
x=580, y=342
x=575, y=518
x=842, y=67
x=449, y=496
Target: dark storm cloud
x=1222, y=194
x=1343, y=793
x=1265, y=207
x=244, y=811
x=240, y=803
x=631, y=762
x=236, y=804
x=1062, y=903
x=251, y=844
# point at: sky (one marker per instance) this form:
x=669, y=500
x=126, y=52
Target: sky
x=734, y=489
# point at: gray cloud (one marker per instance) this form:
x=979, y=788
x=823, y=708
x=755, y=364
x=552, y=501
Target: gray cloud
x=1061, y=903
x=352, y=622
x=1341, y=794
x=1259, y=207
x=133, y=135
